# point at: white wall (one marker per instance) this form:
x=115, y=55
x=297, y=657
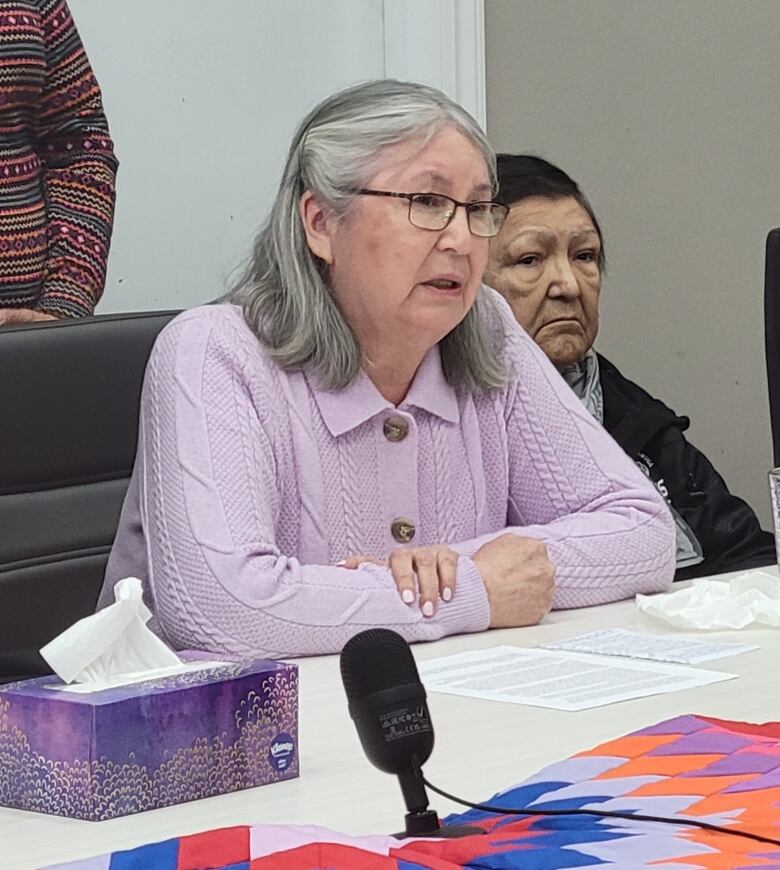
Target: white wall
x=667, y=114
x=202, y=98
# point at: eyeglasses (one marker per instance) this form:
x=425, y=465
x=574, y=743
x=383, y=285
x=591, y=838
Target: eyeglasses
x=434, y=211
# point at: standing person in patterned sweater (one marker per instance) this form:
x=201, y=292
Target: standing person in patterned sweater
x=366, y=437
x=57, y=167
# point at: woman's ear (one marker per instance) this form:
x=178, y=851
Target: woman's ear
x=317, y=224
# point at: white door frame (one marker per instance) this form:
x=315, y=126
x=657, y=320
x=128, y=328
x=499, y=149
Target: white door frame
x=440, y=43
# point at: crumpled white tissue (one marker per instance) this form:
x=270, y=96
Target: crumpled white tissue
x=719, y=604
x=113, y=646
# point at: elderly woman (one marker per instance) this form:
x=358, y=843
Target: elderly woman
x=365, y=437
x=547, y=261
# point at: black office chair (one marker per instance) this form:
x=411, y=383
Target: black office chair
x=69, y=396
x=772, y=334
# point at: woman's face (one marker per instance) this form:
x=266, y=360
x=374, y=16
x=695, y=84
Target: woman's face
x=545, y=263
x=395, y=283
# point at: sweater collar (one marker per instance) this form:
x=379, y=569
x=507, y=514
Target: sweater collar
x=344, y=410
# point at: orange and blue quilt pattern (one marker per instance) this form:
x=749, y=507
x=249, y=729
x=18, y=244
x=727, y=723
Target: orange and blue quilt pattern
x=691, y=767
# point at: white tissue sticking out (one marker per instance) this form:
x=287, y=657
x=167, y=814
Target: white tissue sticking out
x=113, y=646
x=719, y=604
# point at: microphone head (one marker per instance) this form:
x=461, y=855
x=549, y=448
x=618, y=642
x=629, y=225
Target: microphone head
x=374, y=660
x=387, y=700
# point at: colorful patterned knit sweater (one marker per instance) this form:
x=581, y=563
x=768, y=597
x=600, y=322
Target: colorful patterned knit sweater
x=57, y=167
x=251, y=483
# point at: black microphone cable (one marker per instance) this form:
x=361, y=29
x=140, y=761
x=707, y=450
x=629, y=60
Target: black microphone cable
x=602, y=814
x=383, y=685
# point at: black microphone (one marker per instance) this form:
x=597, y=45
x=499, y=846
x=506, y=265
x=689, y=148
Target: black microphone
x=387, y=703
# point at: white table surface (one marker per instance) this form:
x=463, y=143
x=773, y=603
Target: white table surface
x=481, y=747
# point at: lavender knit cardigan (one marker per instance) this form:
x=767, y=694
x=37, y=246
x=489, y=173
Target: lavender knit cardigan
x=251, y=483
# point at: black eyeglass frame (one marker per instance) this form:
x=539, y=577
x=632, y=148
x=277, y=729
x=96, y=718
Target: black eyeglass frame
x=469, y=206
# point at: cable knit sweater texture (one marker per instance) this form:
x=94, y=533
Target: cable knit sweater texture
x=251, y=483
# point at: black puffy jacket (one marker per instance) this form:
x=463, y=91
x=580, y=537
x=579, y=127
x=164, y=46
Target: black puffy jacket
x=652, y=435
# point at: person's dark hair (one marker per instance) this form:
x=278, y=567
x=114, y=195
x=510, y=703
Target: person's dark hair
x=521, y=176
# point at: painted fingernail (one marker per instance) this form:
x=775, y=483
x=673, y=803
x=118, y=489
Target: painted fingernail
x=408, y=596
x=341, y=564
x=427, y=608
x=446, y=593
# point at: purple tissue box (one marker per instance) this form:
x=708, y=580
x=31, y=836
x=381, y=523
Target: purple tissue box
x=165, y=741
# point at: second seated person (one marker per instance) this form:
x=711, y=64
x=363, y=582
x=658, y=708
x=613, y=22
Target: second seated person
x=547, y=261
x=362, y=435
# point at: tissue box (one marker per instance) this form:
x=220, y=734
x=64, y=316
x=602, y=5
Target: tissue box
x=152, y=744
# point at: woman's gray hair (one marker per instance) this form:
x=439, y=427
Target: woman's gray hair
x=283, y=290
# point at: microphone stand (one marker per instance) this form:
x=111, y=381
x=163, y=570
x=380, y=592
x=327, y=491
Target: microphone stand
x=421, y=821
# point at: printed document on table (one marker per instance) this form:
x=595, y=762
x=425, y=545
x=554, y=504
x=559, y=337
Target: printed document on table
x=643, y=645
x=557, y=680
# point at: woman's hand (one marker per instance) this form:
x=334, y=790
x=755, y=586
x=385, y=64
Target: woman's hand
x=9, y=316
x=519, y=579
x=427, y=572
